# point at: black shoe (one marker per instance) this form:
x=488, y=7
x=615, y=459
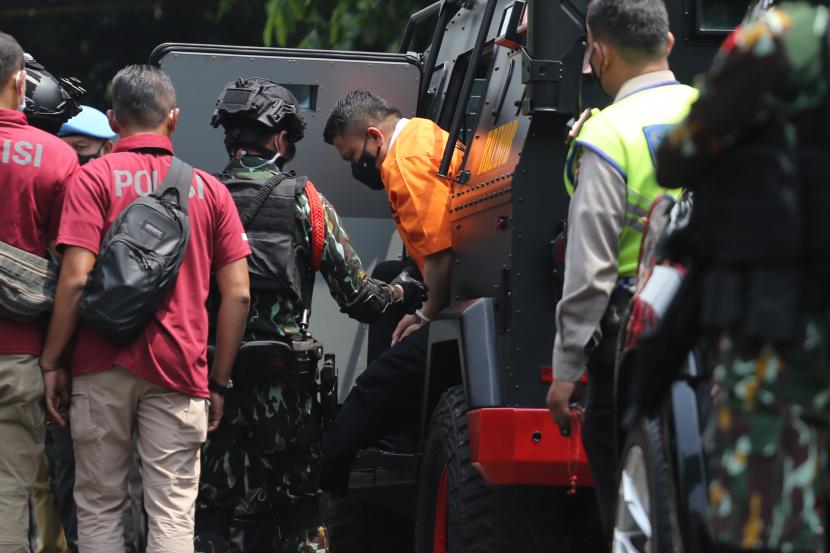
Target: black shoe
x=254, y=510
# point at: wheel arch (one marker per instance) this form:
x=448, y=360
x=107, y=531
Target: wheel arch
x=462, y=350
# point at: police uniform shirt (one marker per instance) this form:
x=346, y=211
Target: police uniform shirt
x=34, y=167
x=596, y=219
x=171, y=352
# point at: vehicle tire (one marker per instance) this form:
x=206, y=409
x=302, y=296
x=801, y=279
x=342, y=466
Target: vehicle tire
x=643, y=519
x=458, y=512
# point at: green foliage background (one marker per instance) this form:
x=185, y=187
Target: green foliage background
x=332, y=24
x=92, y=39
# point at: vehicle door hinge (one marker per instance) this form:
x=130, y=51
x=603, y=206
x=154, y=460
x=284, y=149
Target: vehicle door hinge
x=541, y=71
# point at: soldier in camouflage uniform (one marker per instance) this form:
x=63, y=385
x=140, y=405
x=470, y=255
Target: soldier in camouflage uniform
x=276, y=419
x=754, y=152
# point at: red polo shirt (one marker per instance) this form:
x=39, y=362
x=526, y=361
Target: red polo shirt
x=172, y=350
x=34, y=166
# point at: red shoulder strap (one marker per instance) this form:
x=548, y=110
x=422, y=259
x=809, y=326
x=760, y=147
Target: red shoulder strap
x=318, y=225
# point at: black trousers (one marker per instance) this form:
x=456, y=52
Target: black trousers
x=598, y=435
x=60, y=458
x=380, y=331
x=384, y=399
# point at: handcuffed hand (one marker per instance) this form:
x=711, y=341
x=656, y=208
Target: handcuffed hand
x=407, y=325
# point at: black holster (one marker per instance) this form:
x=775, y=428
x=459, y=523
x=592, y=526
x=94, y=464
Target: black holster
x=291, y=362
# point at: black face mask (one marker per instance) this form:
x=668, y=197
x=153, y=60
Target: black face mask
x=83, y=160
x=366, y=170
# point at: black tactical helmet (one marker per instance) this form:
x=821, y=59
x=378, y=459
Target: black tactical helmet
x=49, y=102
x=254, y=107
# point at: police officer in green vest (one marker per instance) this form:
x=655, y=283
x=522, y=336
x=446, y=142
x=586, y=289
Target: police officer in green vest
x=611, y=175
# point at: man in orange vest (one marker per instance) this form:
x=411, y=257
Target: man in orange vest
x=401, y=156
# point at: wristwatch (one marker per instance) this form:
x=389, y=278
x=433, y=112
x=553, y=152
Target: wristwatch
x=217, y=388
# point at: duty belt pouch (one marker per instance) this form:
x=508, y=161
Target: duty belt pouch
x=749, y=212
x=306, y=354
x=291, y=362
x=815, y=173
x=724, y=298
x=773, y=306
x=27, y=284
x=261, y=362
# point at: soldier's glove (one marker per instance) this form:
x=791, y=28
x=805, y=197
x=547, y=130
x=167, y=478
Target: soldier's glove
x=414, y=291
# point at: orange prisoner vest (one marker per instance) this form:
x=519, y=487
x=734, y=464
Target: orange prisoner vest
x=420, y=200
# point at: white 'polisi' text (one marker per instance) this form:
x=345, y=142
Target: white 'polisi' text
x=21, y=153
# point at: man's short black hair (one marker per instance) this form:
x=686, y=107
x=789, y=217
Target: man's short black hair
x=11, y=58
x=355, y=112
x=639, y=28
x=142, y=95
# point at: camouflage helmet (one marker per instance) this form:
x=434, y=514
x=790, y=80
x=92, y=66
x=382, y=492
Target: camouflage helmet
x=50, y=102
x=258, y=104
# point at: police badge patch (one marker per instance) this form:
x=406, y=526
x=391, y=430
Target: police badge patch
x=654, y=137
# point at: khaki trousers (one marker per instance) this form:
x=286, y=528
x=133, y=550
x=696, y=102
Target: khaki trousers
x=50, y=534
x=22, y=431
x=169, y=428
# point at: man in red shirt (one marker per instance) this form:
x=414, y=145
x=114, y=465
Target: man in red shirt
x=159, y=383
x=34, y=166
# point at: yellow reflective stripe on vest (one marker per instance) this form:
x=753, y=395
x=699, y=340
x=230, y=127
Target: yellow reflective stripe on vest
x=626, y=134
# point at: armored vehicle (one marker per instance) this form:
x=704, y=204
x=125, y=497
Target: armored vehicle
x=488, y=470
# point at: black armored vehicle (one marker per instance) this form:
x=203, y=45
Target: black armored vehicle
x=488, y=470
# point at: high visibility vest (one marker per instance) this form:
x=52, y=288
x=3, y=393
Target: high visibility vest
x=627, y=134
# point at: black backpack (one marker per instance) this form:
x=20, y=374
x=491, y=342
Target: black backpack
x=139, y=259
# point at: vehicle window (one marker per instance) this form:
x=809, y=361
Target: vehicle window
x=720, y=15
x=476, y=99
x=306, y=95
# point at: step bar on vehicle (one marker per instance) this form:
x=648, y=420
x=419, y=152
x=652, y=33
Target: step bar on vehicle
x=524, y=447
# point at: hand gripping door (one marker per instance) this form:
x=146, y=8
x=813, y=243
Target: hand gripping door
x=140, y=257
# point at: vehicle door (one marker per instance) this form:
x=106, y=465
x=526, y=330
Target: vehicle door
x=317, y=78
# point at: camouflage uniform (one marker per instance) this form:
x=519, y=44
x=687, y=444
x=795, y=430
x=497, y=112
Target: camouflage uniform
x=768, y=440
x=768, y=444
x=278, y=421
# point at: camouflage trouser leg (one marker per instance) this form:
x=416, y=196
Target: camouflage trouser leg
x=767, y=446
x=290, y=452
x=280, y=426
x=222, y=478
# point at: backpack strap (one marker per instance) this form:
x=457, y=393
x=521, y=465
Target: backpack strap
x=179, y=178
x=318, y=225
x=262, y=195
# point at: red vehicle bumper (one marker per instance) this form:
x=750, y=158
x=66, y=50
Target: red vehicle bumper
x=523, y=446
